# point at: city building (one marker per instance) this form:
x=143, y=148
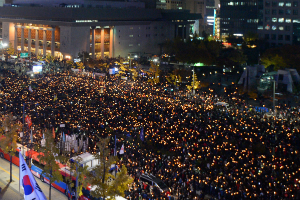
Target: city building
x=281, y=23
x=239, y=17
x=104, y=30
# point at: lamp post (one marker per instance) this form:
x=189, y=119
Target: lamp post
x=193, y=80
x=274, y=85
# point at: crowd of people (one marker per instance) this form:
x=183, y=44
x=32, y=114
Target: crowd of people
x=194, y=146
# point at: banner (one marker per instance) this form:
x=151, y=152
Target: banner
x=28, y=121
x=31, y=189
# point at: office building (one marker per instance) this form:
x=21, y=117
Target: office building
x=104, y=30
x=281, y=23
x=239, y=17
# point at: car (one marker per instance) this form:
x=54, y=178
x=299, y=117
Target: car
x=150, y=179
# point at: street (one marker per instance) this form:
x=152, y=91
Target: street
x=10, y=191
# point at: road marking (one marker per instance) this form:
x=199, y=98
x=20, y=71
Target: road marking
x=9, y=173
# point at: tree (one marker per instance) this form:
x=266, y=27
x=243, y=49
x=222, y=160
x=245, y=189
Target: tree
x=101, y=176
x=83, y=56
x=8, y=138
x=47, y=156
x=121, y=182
x=153, y=73
x=76, y=170
x=196, y=85
x=237, y=56
x=174, y=78
x=273, y=57
x=49, y=59
x=80, y=65
x=11, y=50
x=71, y=63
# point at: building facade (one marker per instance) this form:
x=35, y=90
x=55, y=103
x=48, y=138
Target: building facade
x=239, y=17
x=281, y=23
x=103, y=32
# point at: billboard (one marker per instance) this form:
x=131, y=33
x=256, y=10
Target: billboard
x=37, y=69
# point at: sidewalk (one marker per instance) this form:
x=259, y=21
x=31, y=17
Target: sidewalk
x=11, y=191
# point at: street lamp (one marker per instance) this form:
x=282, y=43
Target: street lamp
x=274, y=85
x=193, y=80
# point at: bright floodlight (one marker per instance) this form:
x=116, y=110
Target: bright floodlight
x=4, y=44
x=135, y=56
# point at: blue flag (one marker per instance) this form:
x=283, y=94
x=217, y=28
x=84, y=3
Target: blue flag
x=142, y=135
x=64, y=139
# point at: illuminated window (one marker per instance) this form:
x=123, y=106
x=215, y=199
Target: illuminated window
x=288, y=4
x=273, y=27
x=230, y=3
x=280, y=20
x=281, y=28
x=288, y=20
x=267, y=27
x=130, y=45
x=274, y=19
x=130, y=35
x=281, y=4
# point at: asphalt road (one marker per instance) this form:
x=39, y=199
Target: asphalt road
x=11, y=191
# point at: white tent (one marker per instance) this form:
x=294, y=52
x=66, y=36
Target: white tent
x=87, y=159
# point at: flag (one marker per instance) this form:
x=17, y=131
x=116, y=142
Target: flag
x=64, y=137
x=115, y=149
x=31, y=189
x=142, y=135
x=28, y=121
x=30, y=89
x=122, y=149
x=53, y=133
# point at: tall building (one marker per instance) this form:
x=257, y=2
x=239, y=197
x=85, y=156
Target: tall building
x=239, y=17
x=104, y=29
x=281, y=22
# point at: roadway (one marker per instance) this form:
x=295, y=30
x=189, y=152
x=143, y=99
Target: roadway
x=11, y=191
